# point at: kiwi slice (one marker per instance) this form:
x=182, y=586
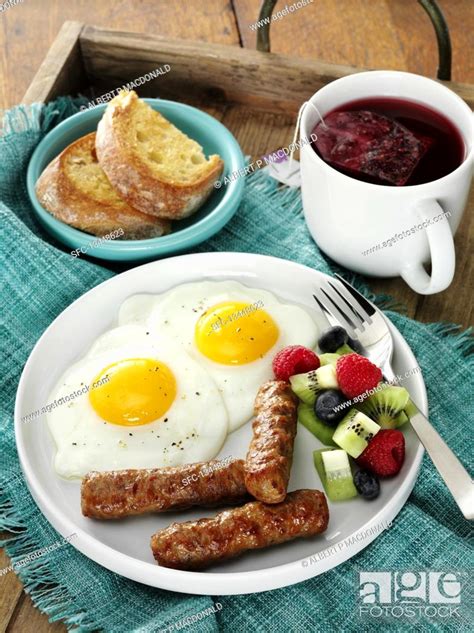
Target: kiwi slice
x=307, y=386
x=385, y=405
x=329, y=359
x=308, y=418
x=410, y=408
x=344, y=349
x=354, y=432
x=401, y=419
x=335, y=473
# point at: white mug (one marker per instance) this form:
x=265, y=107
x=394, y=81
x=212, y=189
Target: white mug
x=350, y=220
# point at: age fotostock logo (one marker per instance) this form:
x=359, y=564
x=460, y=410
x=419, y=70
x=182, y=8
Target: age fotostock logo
x=410, y=594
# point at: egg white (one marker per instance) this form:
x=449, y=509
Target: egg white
x=196, y=423
x=174, y=314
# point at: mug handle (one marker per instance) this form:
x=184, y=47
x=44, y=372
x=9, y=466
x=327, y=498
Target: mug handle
x=443, y=258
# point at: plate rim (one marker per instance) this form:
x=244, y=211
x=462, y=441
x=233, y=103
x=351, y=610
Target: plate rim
x=208, y=583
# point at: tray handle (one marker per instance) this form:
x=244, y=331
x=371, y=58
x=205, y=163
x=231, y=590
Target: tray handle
x=430, y=6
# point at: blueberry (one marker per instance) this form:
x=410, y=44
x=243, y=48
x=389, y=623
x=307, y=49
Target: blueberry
x=355, y=345
x=325, y=406
x=367, y=484
x=332, y=339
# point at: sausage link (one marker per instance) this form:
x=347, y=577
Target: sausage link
x=198, y=544
x=270, y=454
x=121, y=493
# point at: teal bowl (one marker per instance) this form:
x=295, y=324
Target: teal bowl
x=208, y=220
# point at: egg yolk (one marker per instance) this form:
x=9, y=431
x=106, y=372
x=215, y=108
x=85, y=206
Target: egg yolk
x=133, y=391
x=235, y=333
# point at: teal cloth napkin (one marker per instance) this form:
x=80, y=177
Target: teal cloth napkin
x=41, y=279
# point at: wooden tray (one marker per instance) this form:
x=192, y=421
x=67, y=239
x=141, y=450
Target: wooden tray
x=90, y=60
x=255, y=94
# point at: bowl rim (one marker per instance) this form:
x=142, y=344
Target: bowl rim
x=163, y=245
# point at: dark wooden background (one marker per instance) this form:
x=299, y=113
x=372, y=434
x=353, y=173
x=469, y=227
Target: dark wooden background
x=369, y=33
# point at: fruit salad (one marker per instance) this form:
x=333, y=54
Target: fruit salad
x=344, y=402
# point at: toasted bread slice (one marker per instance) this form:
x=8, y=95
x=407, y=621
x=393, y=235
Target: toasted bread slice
x=153, y=165
x=75, y=189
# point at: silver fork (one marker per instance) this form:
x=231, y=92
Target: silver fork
x=343, y=305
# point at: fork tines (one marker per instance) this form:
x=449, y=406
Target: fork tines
x=343, y=305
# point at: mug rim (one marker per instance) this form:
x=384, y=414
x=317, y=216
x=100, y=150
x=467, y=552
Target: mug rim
x=393, y=73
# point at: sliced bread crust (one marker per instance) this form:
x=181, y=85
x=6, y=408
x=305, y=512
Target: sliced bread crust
x=140, y=151
x=74, y=189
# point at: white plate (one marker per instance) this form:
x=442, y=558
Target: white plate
x=123, y=546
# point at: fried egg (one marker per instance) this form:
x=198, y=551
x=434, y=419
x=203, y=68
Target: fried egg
x=146, y=404
x=231, y=330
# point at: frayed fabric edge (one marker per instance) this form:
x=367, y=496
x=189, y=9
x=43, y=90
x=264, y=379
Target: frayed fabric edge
x=37, y=576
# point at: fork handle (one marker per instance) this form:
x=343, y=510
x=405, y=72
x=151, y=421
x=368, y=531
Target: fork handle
x=453, y=473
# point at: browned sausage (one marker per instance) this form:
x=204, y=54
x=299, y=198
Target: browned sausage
x=270, y=454
x=198, y=544
x=121, y=493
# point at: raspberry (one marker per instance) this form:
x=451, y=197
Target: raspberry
x=356, y=375
x=292, y=360
x=384, y=454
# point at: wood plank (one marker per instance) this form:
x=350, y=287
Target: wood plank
x=28, y=29
x=259, y=132
x=17, y=611
x=10, y=589
x=269, y=80
x=62, y=71
x=417, y=41
x=375, y=34
x=348, y=34
x=28, y=618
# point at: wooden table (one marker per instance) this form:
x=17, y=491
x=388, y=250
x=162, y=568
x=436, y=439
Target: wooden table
x=368, y=33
